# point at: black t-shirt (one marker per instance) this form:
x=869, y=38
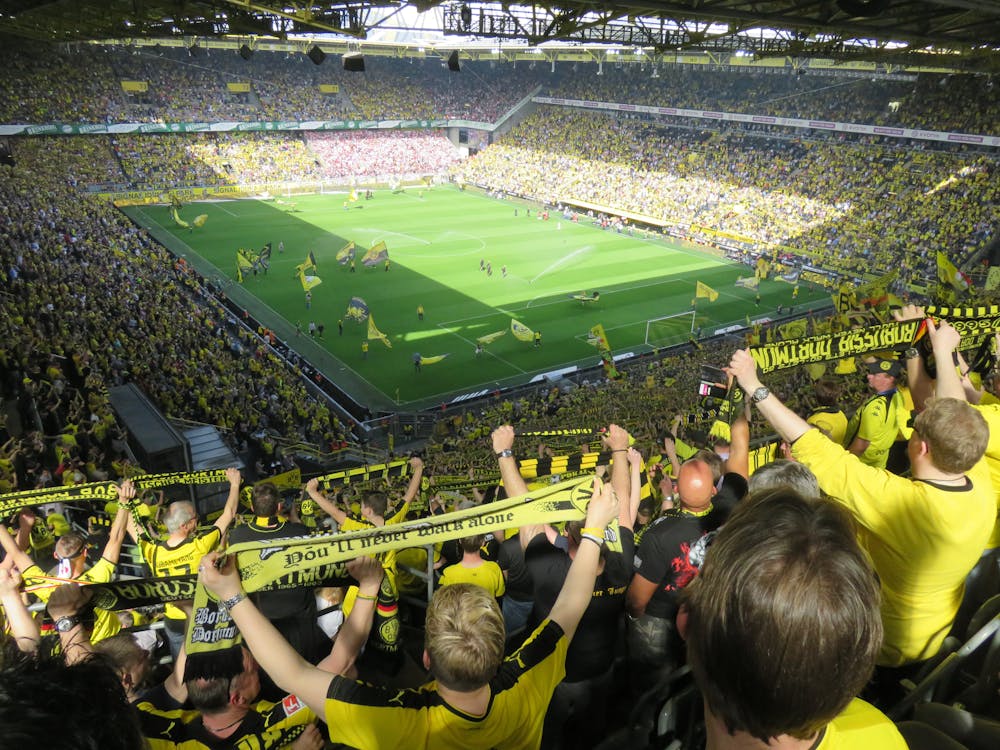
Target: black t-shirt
x=510, y=558
x=671, y=553
x=277, y=605
x=732, y=489
x=593, y=648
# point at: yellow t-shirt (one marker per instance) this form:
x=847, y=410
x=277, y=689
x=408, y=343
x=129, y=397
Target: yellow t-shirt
x=923, y=539
x=861, y=726
x=183, y=559
x=991, y=413
x=366, y=716
x=487, y=575
x=832, y=422
x=877, y=421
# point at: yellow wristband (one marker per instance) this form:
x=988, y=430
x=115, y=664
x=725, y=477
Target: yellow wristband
x=366, y=597
x=593, y=530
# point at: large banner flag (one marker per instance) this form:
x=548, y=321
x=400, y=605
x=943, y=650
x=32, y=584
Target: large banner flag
x=432, y=360
x=948, y=273
x=243, y=263
x=597, y=337
x=375, y=333
x=307, y=265
x=790, y=277
x=178, y=220
x=751, y=282
x=357, y=309
x=376, y=254
x=521, y=331
x=704, y=290
x=308, y=281
x=489, y=338
x=346, y=254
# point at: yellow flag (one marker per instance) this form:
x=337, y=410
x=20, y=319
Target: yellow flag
x=489, y=338
x=375, y=333
x=948, y=273
x=598, y=338
x=521, y=331
x=704, y=290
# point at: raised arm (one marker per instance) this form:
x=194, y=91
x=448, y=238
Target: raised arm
x=283, y=663
x=412, y=489
x=513, y=482
x=352, y=635
x=330, y=508
x=417, y=467
x=629, y=510
x=944, y=341
x=126, y=498
x=578, y=588
x=68, y=601
x=22, y=625
x=616, y=439
x=15, y=553
x=113, y=549
x=917, y=380
x=789, y=425
x=739, y=444
x=225, y=518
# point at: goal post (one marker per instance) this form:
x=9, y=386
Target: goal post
x=670, y=329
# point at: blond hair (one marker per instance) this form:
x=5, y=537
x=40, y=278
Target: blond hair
x=464, y=636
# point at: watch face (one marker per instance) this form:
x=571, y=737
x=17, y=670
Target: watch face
x=65, y=624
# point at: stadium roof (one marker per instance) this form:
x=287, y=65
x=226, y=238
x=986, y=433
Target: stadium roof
x=954, y=33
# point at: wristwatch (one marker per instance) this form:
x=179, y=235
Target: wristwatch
x=228, y=604
x=760, y=394
x=505, y=453
x=66, y=624
x=911, y=353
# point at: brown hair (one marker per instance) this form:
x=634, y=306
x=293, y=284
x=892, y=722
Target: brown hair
x=472, y=543
x=784, y=623
x=265, y=499
x=827, y=391
x=377, y=502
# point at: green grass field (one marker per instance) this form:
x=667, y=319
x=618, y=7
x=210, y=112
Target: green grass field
x=436, y=239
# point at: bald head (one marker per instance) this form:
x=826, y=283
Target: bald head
x=695, y=485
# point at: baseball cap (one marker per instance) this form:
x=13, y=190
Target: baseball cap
x=888, y=366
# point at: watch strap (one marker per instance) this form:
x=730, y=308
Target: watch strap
x=232, y=601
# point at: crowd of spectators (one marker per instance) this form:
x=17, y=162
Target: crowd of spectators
x=92, y=302
x=84, y=86
x=377, y=153
x=851, y=205
x=88, y=287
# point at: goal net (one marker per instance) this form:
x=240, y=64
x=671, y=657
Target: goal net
x=670, y=329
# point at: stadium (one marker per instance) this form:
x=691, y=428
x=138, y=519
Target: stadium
x=343, y=246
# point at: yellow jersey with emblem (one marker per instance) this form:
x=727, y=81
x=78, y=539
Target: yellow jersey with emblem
x=164, y=560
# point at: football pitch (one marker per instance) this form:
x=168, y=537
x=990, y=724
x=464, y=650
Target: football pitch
x=437, y=240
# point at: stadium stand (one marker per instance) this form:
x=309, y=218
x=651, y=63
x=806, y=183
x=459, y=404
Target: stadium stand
x=91, y=301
